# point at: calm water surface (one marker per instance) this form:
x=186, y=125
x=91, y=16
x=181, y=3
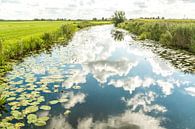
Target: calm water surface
x=99, y=82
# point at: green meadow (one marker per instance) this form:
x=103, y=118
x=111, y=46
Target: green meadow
x=18, y=38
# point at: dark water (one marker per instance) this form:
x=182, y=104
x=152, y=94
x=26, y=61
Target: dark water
x=107, y=81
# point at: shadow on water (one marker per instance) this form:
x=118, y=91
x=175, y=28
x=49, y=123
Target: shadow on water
x=118, y=35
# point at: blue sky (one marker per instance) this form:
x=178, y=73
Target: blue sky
x=87, y=9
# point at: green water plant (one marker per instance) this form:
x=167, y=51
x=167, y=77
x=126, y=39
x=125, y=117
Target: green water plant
x=2, y=105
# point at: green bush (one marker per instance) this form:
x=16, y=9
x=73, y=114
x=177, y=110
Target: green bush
x=182, y=36
x=47, y=37
x=192, y=47
x=156, y=30
x=145, y=35
x=166, y=38
x=67, y=30
x=83, y=24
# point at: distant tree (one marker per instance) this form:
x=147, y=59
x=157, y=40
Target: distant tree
x=94, y=19
x=118, y=17
x=36, y=19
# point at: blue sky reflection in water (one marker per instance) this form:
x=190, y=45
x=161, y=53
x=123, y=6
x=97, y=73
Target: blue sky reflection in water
x=106, y=84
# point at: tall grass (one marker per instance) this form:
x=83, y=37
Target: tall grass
x=1, y=52
x=176, y=33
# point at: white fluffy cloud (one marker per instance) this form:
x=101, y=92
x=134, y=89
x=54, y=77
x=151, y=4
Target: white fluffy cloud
x=127, y=119
x=73, y=99
x=87, y=9
x=103, y=69
x=190, y=91
x=144, y=103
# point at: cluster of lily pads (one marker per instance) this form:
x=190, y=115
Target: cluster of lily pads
x=25, y=97
x=180, y=59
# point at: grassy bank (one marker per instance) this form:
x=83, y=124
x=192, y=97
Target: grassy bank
x=175, y=33
x=20, y=38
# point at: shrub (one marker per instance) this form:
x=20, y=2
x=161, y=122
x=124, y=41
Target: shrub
x=182, y=36
x=156, y=30
x=166, y=38
x=47, y=37
x=67, y=30
x=145, y=35
x=192, y=47
x=83, y=24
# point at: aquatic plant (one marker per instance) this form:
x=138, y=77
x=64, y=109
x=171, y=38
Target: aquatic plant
x=2, y=105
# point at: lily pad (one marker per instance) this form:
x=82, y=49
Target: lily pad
x=32, y=118
x=47, y=91
x=45, y=107
x=53, y=102
x=8, y=118
x=40, y=123
x=56, y=86
x=6, y=125
x=31, y=109
x=11, y=98
x=63, y=100
x=76, y=87
x=56, y=90
x=17, y=115
x=35, y=103
x=67, y=112
x=40, y=99
x=19, y=125
x=24, y=103
x=20, y=90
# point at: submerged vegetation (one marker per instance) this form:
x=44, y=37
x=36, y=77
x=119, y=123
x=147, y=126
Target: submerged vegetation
x=174, y=33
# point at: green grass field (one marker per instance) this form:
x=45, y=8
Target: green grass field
x=11, y=31
x=18, y=38
x=170, y=32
